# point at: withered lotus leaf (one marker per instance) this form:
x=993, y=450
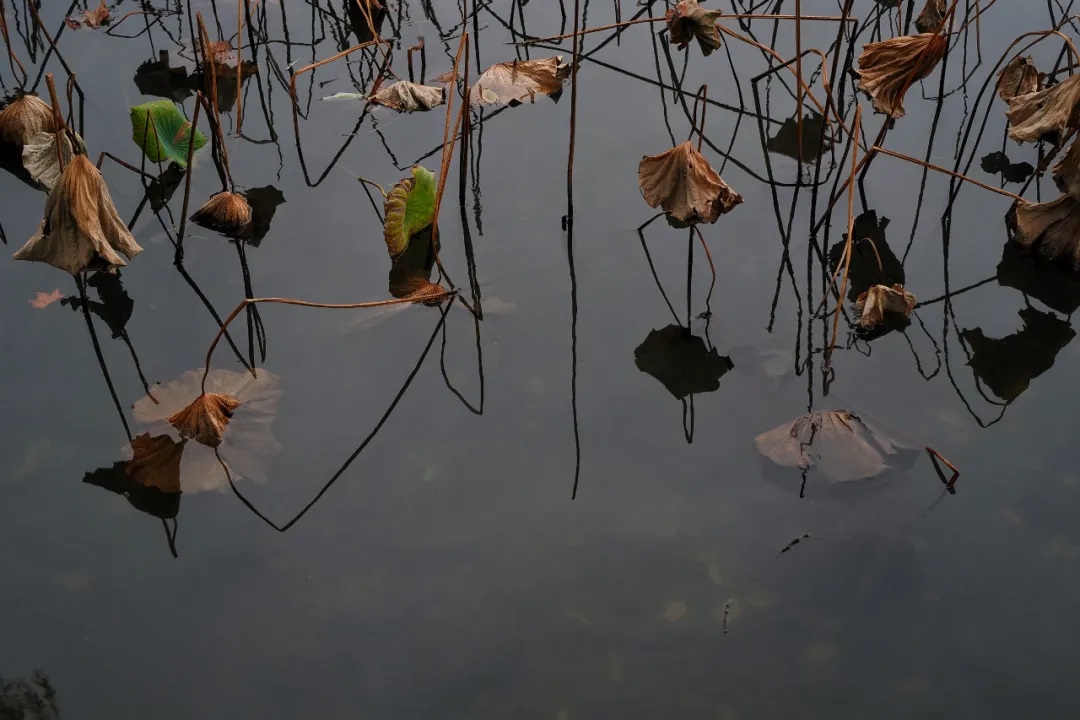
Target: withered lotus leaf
x=224, y=212
x=92, y=19
x=688, y=20
x=405, y=96
x=39, y=158
x=1046, y=112
x=1067, y=172
x=518, y=81
x=880, y=299
x=417, y=289
x=23, y=118
x=81, y=230
x=1018, y=77
x=682, y=182
x=931, y=17
x=156, y=462
x=1050, y=229
x=888, y=68
x=205, y=419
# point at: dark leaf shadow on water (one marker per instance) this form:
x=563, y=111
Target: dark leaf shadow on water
x=1038, y=279
x=28, y=700
x=997, y=163
x=160, y=79
x=814, y=145
x=869, y=246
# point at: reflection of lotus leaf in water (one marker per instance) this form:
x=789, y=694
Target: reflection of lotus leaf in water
x=264, y=202
x=998, y=163
x=150, y=480
x=786, y=140
x=33, y=700
x=1039, y=280
x=681, y=361
x=249, y=441
x=158, y=78
x=829, y=451
x=1008, y=365
x=865, y=272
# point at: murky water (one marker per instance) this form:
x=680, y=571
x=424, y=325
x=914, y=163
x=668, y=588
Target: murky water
x=448, y=571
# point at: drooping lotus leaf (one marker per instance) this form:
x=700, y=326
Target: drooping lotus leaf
x=1067, y=172
x=167, y=136
x=931, y=17
x=1046, y=113
x=688, y=20
x=1050, y=230
x=39, y=157
x=682, y=182
x=22, y=119
x=409, y=209
x=1018, y=77
x=880, y=299
x=889, y=68
x=156, y=462
x=517, y=82
x=405, y=96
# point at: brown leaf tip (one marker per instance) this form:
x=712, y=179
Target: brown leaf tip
x=206, y=418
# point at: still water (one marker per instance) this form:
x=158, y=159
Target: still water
x=536, y=528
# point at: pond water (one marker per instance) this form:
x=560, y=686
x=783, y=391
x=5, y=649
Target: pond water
x=518, y=519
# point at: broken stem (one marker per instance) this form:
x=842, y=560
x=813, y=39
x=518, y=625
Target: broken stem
x=934, y=454
x=957, y=175
x=373, y=184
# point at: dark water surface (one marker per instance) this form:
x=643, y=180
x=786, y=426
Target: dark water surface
x=447, y=573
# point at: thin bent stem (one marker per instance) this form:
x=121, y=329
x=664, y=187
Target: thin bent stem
x=449, y=142
x=850, y=232
x=208, y=62
x=999, y=191
x=13, y=60
x=179, y=258
x=58, y=120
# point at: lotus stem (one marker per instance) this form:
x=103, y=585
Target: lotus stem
x=208, y=61
x=58, y=120
x=999, y=191
x=934, y=454
x=179, y=257
x=373, y=184
x=239, y=65
x=568, y=221
x=702, y=97
x=449, y=142
x=423, y=60
x=708, y=256
x=13, y=60
x=799, y=85
x=850, y=233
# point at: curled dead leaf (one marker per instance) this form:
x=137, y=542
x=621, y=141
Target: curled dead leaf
x=40, y=161
x=1067, y=172
x=417, y=289
x=931, y=17
x=517, y=82
x=888, y=68
x=688, y=20
x=1018, y=77
x=881, y=299
x=224, y=212
x=156, y=462
x=23, y=118
x=405, y=96
x=1046, y=113
x=206, y=418
x=81, y=230
x=682, y=182
x=1050, y=229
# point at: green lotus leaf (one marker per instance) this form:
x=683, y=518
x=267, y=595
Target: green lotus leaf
x=409, y=209
x=168, y=135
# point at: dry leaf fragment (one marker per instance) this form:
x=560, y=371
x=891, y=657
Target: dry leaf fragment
x=92, y=19
x=81, y=230
x=517, y=82
x=1067, y=172
x=888, y=68
x=44, y=300
x=1046, y=113
x=205, y=419
x=931, y=17
x=1050, y=229
x=405, y=96
x=417, y=288
x=23, y=118
x=1018, y=77
x=682, y=182
x=224, y=212
x=688, y=20
x=156, y=462
x=39, y=157
x=880, y=299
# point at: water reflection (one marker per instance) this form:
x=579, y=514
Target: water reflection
x=33, y=699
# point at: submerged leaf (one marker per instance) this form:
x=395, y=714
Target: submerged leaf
x=688, y=20
x=1050, y=229
x=682, y=182
x=167, y=136
x=1018, y=77
x=81, y=230
x=880, y=299
x=405, y=96
x=409, y=209
x=931, y=17
x=1046, y=113
x=517, y=82
x=889, y=68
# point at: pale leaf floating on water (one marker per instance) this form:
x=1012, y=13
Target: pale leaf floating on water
x=1047, y=113
x=688, y=21
x=682, y=182
x=1018, y=77
x=830, y=453
x=405, y=96
x=82, y=229
x=248, y=444
x=39, y=157
x=517, y=82
x=889, y=68
x=880, y=299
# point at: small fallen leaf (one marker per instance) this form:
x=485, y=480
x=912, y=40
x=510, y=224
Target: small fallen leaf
x=889, y=68
x=409, y=97
x=1046, y=113
x=408, y=210
x=1018, y=77
x=688, y=20
x=92, y=19
x=227, y=212
x=517, y=82
x=880, y=299
x=682, y=182
x=206, y=418
x=44, y=300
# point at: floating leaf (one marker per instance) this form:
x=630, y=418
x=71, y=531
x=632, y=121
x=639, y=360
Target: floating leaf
x=688, y=20
x=1046, y=113
x=206, y=418
x=168, y=135
x=681, y=361
x=409, y=209
x=81, y=230
x=405, y=96
x=92, y=19
x=682, y=182
x=1019, y=77
x=44, y=300
x=931, y=17
x=1050, y=229
x=344, y=96
x=517, y=82
x=888, y=69
x=881, y=299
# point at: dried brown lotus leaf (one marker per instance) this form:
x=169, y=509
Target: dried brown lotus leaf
x=1046, y=113
x=1018, y=77
x=887, y=69
x=932, y=16
x=517, y=82
x=22, y=119
x=224, y=212
x=881, y=299
x=205, y=419
x=688, y=20
x=417, y=289
x=1067, y=172
x=682, y=182
x=81, y=230
x=1050, y=229
x=39, y=158
x=405, y=96
x=156, y=462
x=92, y=19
